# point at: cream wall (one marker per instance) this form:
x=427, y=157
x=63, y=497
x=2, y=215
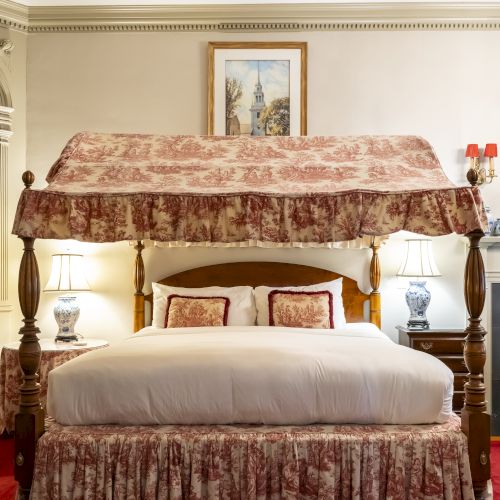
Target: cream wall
x=430, y=83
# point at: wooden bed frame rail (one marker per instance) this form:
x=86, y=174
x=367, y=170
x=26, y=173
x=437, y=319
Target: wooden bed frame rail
x=30, y=419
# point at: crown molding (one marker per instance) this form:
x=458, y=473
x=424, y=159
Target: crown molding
x=13, y=15
x=268, y=17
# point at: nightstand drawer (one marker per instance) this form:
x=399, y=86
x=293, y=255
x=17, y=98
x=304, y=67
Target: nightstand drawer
x=455, y=363
x=445, y=344
x=439, y=346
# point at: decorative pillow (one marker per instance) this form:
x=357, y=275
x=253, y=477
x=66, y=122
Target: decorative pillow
x=301, y=309
x=196, y=311
x=334, y=287
x=241, y=312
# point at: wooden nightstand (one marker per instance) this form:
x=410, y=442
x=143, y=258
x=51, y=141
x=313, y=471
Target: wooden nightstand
x=445, y=344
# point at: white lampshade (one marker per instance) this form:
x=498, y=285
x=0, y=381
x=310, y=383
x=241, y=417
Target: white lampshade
x=419, y=260
x=67, y=274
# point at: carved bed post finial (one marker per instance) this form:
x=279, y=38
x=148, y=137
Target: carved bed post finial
x=375, y=305
x=28, y=178
x=29, y=423
x=139, y=276
x=475, y=420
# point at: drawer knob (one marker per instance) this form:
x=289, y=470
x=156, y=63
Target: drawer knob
x=426, y=345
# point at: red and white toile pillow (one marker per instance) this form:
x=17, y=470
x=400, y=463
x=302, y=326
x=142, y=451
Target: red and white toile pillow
x=184, y=311
x=241, y=313
x=301, y=309
x=334, y=287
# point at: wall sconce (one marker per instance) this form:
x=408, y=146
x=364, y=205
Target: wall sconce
x=476, y=174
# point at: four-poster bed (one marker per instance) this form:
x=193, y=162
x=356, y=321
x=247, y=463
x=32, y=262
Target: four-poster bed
x=308, y=191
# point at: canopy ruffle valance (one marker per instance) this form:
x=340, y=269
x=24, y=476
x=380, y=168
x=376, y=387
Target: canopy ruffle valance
x=197, y=189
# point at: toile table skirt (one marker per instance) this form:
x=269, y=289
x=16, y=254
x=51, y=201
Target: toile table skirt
x=253, y=462
x=11, y=376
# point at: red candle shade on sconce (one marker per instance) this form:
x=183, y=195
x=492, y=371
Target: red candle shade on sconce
x=490, y=151
x=472, y=151
x=477, y=174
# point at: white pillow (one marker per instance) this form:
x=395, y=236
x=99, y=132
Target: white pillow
x=242, y=310
x=335, y=287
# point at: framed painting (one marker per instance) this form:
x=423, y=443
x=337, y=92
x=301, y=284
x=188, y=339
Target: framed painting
x=257, y=88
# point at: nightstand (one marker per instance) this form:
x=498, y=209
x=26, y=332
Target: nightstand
x=445, y=344
x=11, y=377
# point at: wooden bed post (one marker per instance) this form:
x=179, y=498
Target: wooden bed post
x=139, y=275
x=375, y=305
x=29, y=423
x=475, y=420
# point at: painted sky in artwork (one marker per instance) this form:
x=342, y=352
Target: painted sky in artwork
x=274, y=77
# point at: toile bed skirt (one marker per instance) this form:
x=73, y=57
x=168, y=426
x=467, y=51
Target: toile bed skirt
x=253, y=462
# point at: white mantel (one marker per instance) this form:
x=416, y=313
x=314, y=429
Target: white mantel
x=488, y=241
x=490, y=250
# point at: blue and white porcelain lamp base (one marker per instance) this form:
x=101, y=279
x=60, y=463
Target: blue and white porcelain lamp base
x=418, y=263
x=418, y=299
x=67, y=275
x=66, y=313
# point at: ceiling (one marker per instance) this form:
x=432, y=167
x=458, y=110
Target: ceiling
x=36, y=3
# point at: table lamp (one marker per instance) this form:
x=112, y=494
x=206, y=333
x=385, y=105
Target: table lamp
x=418, y=262
x=67, y=275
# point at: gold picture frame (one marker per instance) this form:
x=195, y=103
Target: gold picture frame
x=245, y=56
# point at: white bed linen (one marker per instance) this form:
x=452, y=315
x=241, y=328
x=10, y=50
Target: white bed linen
x=253, y=374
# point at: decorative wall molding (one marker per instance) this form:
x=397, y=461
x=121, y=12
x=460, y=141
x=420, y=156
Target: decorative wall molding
x=13, y=15
x=6, y=46
x=271, y=17
x=5, y=133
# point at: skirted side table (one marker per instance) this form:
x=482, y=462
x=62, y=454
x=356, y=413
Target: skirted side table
x=11, y=378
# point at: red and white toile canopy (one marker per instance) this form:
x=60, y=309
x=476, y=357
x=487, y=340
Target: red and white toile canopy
x=227, y=190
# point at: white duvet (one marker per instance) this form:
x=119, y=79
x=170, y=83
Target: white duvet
x=254, y=374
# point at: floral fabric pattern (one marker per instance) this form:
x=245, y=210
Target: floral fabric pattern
x=185, y=311
x=253, y=462
x=221, y=189
x=301, y=309
x=11, y=379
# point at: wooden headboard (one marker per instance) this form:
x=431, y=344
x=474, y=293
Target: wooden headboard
x=269, y=274
x=265, y=273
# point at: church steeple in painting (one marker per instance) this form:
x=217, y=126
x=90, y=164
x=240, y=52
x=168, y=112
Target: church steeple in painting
x=258, y=105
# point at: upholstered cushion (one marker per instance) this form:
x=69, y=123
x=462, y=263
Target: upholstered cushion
x=334, y=287
x=301, y=309
x=242, y=311
x=185, y=311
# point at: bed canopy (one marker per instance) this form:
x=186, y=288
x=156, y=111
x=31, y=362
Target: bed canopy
x=310, y=191
x=226, y=190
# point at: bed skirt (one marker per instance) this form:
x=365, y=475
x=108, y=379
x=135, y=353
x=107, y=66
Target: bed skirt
x=253, y=462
